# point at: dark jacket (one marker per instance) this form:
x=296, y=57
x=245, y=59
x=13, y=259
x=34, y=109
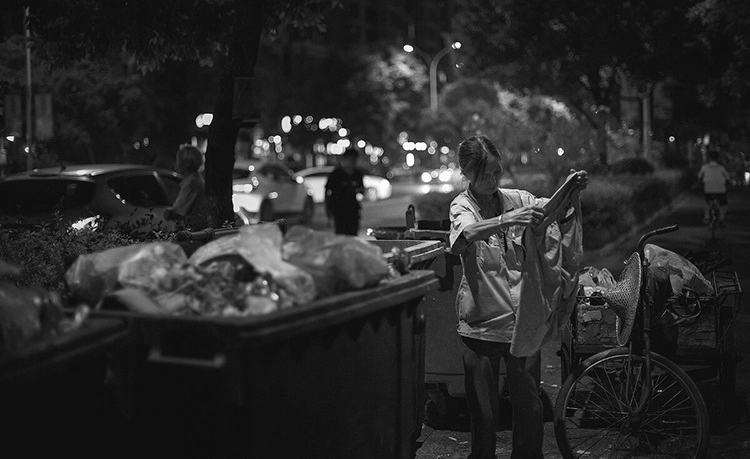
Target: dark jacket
x=341, y=192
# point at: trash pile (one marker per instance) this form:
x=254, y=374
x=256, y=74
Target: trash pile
x=253, y=272
x=29, y=314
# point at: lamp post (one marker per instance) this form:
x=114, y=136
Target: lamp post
x=433, y=63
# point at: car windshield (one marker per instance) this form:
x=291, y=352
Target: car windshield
x=31, y=196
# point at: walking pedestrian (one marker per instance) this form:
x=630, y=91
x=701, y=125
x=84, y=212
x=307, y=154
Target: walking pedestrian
x=344, y=189
x=514, y=250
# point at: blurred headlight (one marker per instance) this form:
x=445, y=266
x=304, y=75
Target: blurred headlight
x=300, y=179
x=426, y=177
x=242, y=188
x=445, y=176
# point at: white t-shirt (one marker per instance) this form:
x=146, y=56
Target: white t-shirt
x=714, y=177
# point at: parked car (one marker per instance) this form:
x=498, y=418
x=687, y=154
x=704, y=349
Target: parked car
x=122, y=194
x=265, y=191
x=316, y=178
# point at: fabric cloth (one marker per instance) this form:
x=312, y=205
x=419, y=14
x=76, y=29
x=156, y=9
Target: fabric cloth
x=482, y=373
x=515, y=269
x=341, y=199
x=714, y=177
x=191, y=201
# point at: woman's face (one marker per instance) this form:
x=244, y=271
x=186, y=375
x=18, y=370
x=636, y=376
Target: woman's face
x=488, y=181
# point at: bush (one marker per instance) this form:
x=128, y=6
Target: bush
x=633, y=166
x=605, y=208
x=45, y=253
x=434, y=206
x=612, y=205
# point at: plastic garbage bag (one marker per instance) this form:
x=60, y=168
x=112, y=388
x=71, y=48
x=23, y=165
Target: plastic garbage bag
x=337, y=263
x=261, y=247
x=595, y=280
x=682, y=273
x=94, y=275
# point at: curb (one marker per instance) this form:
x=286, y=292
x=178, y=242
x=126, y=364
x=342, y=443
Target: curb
x=637, y=230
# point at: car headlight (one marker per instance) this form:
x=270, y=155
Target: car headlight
x=242, y=188
x=445, y=175
x=426, y=177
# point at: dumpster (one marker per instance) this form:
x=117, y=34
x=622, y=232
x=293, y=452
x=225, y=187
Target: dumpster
x=53, y=394
x=335, y=378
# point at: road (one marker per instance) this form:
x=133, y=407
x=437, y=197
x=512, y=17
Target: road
x=387, y=212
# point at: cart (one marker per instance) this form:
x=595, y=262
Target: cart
x=700, y=341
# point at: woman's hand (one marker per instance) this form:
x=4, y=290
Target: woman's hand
x=525, y=216
x=582, y=178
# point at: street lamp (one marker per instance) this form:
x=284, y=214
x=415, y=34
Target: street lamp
x=433, y=63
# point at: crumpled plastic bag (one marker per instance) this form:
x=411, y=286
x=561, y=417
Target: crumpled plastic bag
x=682, y=273
x=261, y=247
x=595, y=280
x=94, y=275
x=337, y=263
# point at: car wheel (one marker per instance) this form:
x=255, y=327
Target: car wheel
x=307, y=212
x=266, y=212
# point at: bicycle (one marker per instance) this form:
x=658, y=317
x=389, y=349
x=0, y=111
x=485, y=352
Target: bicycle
x=630, y=401
x=714, y=217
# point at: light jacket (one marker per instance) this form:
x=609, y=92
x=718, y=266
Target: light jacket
x=518, y=286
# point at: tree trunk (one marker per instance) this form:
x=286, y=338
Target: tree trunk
x=239, y=62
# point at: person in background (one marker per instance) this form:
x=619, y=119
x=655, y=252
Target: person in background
x=191, y=205
x=489, y=231
x=714, y=177
x=344, y=190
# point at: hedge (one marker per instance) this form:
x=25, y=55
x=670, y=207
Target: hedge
x=45, y=253
x=611, y=204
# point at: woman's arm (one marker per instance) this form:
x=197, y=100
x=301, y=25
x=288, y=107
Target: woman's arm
x=525, y=216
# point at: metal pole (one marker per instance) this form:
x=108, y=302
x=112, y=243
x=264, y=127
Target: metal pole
x=29, y=97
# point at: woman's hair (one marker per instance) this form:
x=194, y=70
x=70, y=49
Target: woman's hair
x=190, y=158
x=474, y=153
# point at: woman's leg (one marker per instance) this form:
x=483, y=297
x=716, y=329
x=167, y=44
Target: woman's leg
x=528, y=414
x=481, y=370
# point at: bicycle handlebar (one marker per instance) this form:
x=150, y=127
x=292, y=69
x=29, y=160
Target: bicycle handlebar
x=656, y=232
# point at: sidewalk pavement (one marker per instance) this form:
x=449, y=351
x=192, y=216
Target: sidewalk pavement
x=687, y=212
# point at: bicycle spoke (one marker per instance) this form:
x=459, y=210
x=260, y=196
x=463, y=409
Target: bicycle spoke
x=633, y=401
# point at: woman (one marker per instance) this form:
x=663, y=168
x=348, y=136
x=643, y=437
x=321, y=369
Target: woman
x=511, y=249
x=190, y=205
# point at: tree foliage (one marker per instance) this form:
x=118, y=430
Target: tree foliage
x=221, y=33
x=580, y=50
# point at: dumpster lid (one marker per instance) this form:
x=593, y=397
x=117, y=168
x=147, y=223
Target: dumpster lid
x=418, y=251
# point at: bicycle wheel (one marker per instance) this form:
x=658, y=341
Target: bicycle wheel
x=594, y=410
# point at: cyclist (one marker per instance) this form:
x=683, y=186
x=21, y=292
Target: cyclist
x=714, y=177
